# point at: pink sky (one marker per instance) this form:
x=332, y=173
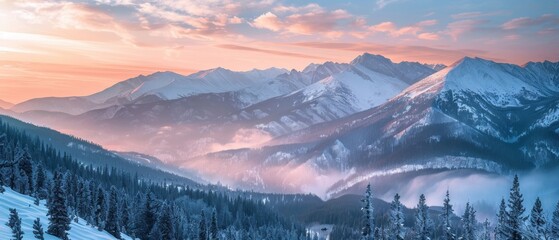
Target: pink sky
x=66, y=48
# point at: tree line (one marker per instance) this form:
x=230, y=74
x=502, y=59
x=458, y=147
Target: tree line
x=119, y=202
x=511, y=221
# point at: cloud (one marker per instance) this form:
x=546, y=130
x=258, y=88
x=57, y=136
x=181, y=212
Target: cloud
x=268, y=51
x=529, y=22
x=382, y=3
x=412, y=30
x=295, y=9
x=268, y=21
x=428, y=36
x=458, y=28
x=302, y=22
x=466, y=15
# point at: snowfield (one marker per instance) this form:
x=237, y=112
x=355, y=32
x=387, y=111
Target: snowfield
x=28, y=212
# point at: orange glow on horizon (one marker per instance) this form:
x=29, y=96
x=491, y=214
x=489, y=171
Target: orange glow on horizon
x=75, y=49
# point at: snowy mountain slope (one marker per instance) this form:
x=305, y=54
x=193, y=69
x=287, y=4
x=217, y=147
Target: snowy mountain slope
x=28, y=212
x=409, y=72
x=458, y=118
x=206, y=122
x=288, y=82
x=196, y=121
x=166, y=85
x=356, y=88
x=331, y=98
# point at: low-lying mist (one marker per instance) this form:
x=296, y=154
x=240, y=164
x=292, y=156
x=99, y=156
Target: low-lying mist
x=484, y=191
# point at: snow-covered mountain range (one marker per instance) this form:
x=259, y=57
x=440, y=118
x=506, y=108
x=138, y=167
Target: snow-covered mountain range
x=328, y=127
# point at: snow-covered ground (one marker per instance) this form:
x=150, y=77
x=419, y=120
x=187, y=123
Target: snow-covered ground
x=28, y=212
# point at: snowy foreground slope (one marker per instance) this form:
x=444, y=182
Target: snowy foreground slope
x=28, y=212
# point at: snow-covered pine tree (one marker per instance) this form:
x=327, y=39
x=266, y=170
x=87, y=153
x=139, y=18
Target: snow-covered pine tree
x=367, y=232
x=396, y=229
x=213, y=227
x=92, y=202
x=124, y=220
x=486, y=235
x=165, y=223
x=25, y=166
x=112, y=214
x=202, y=230
x=446, y=218
x=515, y=218
x=99, y=216
x=469, y=223
x=39, y=183
x=136, y=219
x=58, y=217
x=554, y=226
x=147, y=218
x=537, y=221
x=84, y=207
x=423, y=223
x=501, y=230
x=14, y=222
x=38, y=229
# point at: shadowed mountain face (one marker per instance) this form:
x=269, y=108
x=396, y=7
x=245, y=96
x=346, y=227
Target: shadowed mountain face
x=333, y=126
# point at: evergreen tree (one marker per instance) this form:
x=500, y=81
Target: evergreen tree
x=165, y=224
x=202, y=231
x=537, y=221
x=124, y=217
x=14, y=222
x=22, y=183
x=57, y=210
x=99, y=216
x=486, y=230
x=39, y=183
x=396, y=229
x=213, y=227
x=38, y=229
x=469, y=222
x=112, y=215
x=146, y=219
x=423, y=223
x=446, y=217
x=367, y=231
x=26, y=168
x=515, y=218
x=554, y=228
x=501, y=230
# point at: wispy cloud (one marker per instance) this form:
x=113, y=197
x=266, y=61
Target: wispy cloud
x=529, y=22
x=458, y=28
x=305, y=23
x=417, y=29
x=267, y=51
x=383, y=3
x=476, y=14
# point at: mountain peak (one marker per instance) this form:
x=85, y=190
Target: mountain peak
x=472, y=61
x=368, y=59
